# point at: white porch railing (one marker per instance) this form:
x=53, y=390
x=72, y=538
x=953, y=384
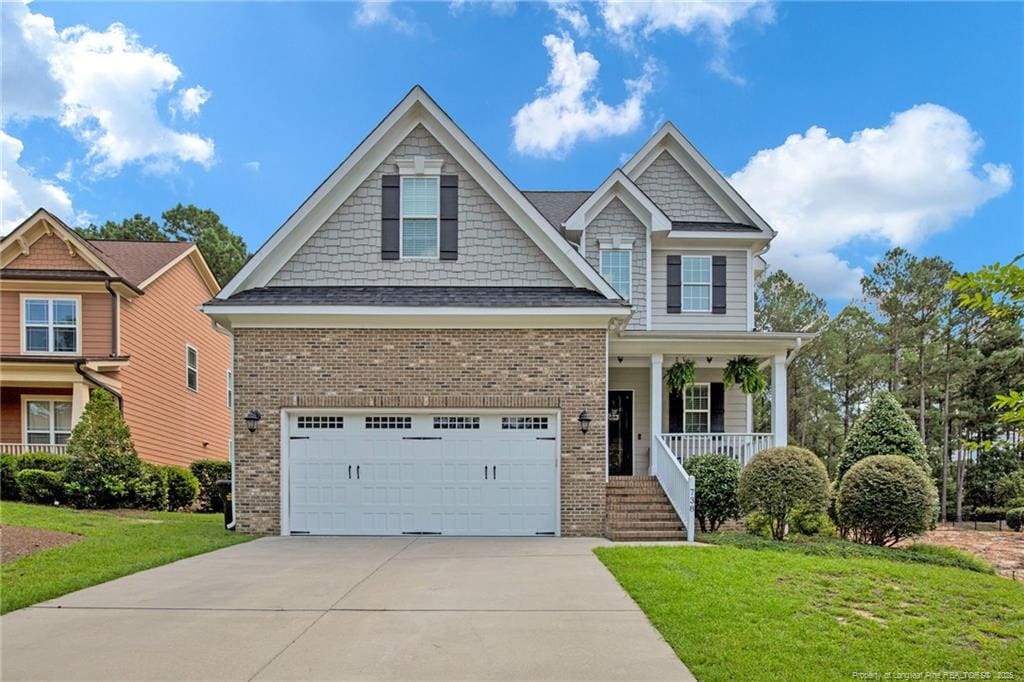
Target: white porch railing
x=740, y=446
x=22, y=448
x=678, y=485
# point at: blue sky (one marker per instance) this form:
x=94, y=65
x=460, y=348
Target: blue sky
x=245, y=108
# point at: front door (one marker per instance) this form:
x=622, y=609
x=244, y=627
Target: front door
x=620, y=433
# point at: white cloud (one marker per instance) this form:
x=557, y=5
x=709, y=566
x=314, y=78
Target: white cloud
x=381, y=13
x=253, y=166
x=501, y=8
x=572, y=13
x=894, y=185
x=21, y=192
x=103, y=86
x=628, y=19
x=189, y=101
x=567, y=108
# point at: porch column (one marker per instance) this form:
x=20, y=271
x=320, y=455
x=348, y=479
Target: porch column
x=656, y=363
x=79, y=397
x=780, y=411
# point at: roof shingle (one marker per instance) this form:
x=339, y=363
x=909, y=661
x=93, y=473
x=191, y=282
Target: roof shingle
x=137, y=261
x=426, y=296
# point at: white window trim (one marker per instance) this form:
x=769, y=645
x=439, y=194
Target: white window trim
x=401, y=218
x=707, y=386
x=187, y=368
x=32, y=397
x=230, y=376
x=77, y=299
x=683, y=283
x=628, y=248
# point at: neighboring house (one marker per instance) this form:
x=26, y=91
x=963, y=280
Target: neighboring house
x=79, y=314
x=433, y=350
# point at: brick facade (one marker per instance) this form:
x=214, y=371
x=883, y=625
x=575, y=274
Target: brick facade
x=423, y=368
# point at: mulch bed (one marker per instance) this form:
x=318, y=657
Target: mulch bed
x=1005, y=551
x=19, y=541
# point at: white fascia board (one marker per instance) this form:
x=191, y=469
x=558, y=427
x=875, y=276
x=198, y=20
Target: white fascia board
x=416, y=108
x=619, y=185
x=669, y=138
x=714, y=234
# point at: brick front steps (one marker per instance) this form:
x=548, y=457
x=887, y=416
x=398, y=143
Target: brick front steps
x=639, y=510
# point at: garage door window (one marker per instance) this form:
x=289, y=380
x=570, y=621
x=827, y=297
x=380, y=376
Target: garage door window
x=456, y=422
x=321, y=421
x=517, y=423
x=389, y=422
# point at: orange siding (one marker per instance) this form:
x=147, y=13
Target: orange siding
x=170, y=423
x=95, y=322
x=49, y=253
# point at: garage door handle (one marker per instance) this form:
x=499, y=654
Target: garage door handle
x=421, y=437
x=357, y=471
x=494, y=472
x=545, y=437
x=485, y=472
x=350, y=471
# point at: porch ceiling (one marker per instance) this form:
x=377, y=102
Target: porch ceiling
x=706, y=344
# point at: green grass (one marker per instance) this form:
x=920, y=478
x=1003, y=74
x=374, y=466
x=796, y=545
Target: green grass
x=918, y=553
x=115, y=545
x=739, y=614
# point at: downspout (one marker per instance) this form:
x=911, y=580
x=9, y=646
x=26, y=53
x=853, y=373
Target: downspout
x=85, y=375
x=114, y=321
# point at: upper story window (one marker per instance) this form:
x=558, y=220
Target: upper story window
x=697, y=283
x=50, y=325
x=191, y=368
x=420, y=220
x=697, y=408
x=616, y=269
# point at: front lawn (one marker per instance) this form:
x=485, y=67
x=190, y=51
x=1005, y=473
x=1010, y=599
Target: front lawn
x=734, y=613
x=115, y=544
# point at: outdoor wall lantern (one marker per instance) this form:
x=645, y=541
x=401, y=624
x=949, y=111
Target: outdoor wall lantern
x=584, y=420
x=252, y=419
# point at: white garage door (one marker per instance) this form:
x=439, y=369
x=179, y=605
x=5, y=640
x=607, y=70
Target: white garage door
x=363, y=473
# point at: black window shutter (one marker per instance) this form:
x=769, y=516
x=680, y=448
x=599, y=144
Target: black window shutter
x=675, y=410
x=389, y=209
x=674, y=268
x=718, y=285
x=717, y=407
x=449, y=217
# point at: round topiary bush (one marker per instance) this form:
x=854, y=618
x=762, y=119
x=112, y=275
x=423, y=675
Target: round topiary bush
x=883, y=429
x=885, y=498
x=39, y=486
x=182, y=488
x=1015, y=518
x=718, y=480
x=778, y=481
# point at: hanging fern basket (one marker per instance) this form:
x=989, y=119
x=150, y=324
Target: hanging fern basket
x=744, y=372
x=679, y=376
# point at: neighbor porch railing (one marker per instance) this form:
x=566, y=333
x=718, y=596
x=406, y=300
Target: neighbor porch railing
x=22, y=448
x=740, y=446
x=678, y=485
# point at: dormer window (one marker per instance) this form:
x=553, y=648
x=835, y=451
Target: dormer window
x=50, y=324
x=616, y=268
x=420, y=220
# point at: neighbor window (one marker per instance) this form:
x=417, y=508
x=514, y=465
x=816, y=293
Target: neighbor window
x=421, y=205
x=231, y=389
x=697, y=283
x=191, y=368
x=616, y=269
x=697, y=408
x=50, y=325
x=47, y=422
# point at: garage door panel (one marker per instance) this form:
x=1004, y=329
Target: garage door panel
x=471, y=477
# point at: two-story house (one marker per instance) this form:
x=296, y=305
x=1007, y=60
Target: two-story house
x=125, y=316
x=423, y=347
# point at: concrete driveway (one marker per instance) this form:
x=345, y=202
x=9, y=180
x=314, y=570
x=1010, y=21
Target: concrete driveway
x=350, y=608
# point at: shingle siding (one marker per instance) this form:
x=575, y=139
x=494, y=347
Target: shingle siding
x=424, y=368
x=677, y=193
x=615, y=220
x=493, y=250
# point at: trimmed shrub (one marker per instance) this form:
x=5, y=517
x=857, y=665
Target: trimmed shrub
x=884, y=499
x=208, y=472
x=718, y=479
x=39, y=486
x=778, y=481
x=757, y=524
x=1009, y=488
x=182, y=488
x=149, y=489
x=9, y=489
x=811, y=523
x=986, y=514
x=883, y=429
x=1015, y=518
x=103, y=463
x=46, y=461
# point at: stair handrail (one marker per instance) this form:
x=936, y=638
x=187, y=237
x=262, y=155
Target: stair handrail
x=679, y=486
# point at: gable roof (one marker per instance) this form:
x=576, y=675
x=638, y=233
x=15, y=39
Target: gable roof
x=556, y=205
x=619, y=185
x=670, y=139
x=137, y=261
x=18, y=241
x=416, y=108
